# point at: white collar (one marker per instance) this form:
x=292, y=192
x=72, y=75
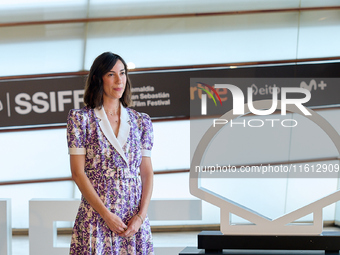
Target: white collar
x=124, y=129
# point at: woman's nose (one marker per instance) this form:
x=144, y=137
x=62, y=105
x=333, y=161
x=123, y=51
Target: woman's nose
x=118, y=79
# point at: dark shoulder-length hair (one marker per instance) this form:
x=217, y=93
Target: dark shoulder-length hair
x=93, y=95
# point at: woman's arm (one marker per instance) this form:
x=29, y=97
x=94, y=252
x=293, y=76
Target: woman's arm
x=146, y=173
x=86, y=188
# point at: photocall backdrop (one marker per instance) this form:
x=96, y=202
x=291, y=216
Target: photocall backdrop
x=167, y=94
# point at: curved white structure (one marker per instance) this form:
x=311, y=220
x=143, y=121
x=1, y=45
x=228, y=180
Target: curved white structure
x=262, y=225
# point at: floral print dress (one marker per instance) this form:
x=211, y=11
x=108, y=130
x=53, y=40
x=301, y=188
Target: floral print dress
x=112, y=166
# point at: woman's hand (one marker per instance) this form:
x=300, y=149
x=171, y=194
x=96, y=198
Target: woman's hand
x=115, y=223
x=146, y=173
x=133, y=226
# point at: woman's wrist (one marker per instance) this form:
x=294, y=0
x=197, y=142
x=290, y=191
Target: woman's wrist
x=142, y=212
x=106, y=214
x=140, y=217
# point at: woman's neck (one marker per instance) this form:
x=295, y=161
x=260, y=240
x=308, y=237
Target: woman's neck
x=112, y=107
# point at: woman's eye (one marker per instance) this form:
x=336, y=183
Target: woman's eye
x=122, y=73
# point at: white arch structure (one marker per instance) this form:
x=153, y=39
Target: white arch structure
x=262, y=225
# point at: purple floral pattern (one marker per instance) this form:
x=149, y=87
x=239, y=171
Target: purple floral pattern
x=116, y=182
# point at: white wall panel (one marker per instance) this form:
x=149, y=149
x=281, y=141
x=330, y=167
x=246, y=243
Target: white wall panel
x=41, y=49
x=332, y=116
x=319, y=34
x=99, y=8
x=34, y=155
x=309, y=141
x=198, y=40
x=264, y=195
x=162, y=42
x=35, y=10
x=171, y=186
x=171, y=145
x=313, y=3
x=301, y=192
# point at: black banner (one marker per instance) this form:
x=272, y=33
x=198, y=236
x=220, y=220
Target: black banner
x=46, y=101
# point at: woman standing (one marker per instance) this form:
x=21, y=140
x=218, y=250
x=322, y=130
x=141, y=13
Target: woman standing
x=110, y=148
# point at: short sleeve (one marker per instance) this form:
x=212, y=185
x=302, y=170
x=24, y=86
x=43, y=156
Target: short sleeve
x=76, y=132
x=147, y=135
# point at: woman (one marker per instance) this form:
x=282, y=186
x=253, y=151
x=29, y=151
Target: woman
x=109, y=146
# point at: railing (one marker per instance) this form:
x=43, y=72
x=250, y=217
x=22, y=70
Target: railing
x=166, y=16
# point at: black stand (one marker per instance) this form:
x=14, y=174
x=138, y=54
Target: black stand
x=214, y=242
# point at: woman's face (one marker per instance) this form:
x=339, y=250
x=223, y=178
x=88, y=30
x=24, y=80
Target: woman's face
x=114, y=81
